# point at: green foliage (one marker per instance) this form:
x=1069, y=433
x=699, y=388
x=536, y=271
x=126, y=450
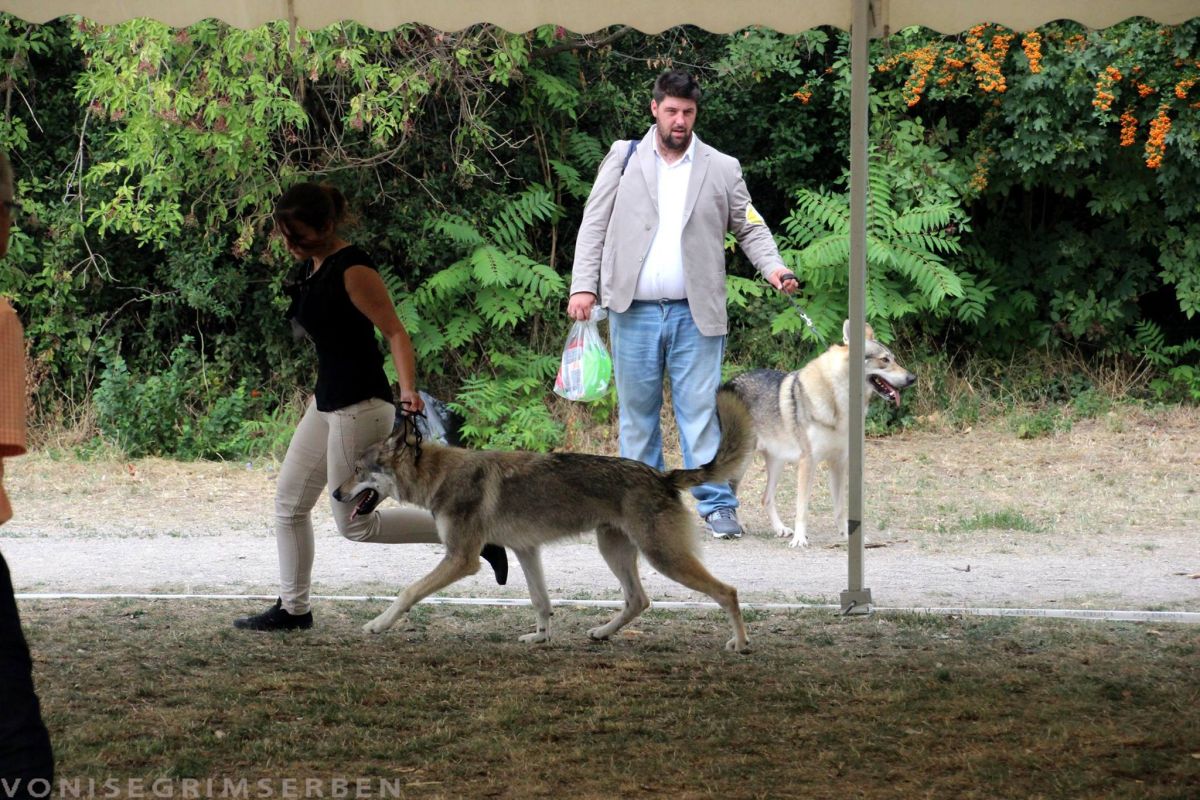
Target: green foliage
x=19, y=42
x=1078, y=145
x=914, y=223
x=476, y=306
x=181, y=410
x=509, y=412
x=1057, y=215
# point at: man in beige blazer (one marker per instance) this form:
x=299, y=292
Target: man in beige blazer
x=651, y=250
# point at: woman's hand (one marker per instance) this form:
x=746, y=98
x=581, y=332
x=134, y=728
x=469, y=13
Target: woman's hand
x=410, y=400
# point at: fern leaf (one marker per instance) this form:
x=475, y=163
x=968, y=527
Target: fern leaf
x=508, y=228
x=491, y=267
x=570, y=179
x=452, y=280
x=586, y=150
x=560, y=95
x=924, y=219
x=458, y=230
x=500, y=306
x=462, y=328
x=832, y=251
x=739, y=290
x=887, y=300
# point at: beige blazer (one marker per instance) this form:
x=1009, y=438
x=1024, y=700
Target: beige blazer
x=621, y=218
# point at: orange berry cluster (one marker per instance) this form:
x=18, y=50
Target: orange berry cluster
x=1129, y=126
x=1156, y=143
x=979, y=178
x=803, y=94
x=1032, y=45
x=1104, y=97
x=951, y=65
x=923, y=59
x=987, y=61
x=1183, y=87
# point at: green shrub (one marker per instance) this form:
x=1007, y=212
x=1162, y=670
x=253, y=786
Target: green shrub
x=183, y=411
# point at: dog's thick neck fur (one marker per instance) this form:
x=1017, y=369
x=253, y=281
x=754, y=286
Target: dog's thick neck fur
x=830, y=370
x=410, y=456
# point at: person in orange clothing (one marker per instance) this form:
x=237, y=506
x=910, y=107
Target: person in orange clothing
x=26, y=759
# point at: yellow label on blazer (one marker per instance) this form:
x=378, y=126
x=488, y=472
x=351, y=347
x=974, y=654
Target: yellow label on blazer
x=753, y=217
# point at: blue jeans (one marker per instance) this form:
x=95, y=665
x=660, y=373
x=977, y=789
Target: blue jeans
x=653, y=340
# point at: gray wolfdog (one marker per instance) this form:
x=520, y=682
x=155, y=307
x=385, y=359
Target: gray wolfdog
x=524, y=500
x=803, y=417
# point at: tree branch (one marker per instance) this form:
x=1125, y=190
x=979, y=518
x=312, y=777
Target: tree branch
x=582, y=42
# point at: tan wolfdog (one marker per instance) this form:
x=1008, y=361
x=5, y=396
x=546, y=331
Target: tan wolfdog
x=803, y=417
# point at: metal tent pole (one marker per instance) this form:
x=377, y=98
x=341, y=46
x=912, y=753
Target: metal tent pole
x=856, y=599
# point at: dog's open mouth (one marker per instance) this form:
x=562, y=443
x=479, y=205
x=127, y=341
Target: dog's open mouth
x=365, y=502
x=885, y=390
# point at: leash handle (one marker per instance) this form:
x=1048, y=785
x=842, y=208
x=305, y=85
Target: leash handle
x=791, y=276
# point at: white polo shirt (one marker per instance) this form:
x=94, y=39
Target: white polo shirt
x=662, y=273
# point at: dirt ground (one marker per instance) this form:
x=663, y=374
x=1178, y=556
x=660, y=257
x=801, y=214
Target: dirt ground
x=1104, y=516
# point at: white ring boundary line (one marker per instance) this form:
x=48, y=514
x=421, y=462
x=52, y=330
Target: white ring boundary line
x=1100, y=615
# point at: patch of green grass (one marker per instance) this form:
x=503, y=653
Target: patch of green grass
x=1003, y=520
x=888, y=706
x=1091, y=403
x=1038, y=424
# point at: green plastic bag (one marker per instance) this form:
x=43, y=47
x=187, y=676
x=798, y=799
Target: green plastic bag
x=586, y=368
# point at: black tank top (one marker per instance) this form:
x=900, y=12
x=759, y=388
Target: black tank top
x=349, y=359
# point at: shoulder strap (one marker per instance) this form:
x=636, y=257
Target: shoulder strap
x=633, y=143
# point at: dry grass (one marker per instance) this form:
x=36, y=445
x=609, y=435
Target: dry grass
x=882, y=707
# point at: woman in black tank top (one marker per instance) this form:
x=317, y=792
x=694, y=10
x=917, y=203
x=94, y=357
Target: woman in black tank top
x=339, y=302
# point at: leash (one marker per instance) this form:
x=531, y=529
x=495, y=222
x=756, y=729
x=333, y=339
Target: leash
x=419, y=425
x=789, y=276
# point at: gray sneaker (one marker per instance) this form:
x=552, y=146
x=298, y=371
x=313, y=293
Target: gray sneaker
x=723, y=524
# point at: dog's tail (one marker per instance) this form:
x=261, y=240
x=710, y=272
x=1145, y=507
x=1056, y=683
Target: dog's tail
x=734, y=452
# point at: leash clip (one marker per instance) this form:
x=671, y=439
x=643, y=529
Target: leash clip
x=790, y=276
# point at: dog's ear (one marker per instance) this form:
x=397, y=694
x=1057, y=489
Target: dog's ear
x=868, y=330
x=392, y=444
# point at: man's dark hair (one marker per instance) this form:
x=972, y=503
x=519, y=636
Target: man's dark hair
x=676, y=83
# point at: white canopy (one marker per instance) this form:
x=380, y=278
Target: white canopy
x=585, y=16
x=864, y=18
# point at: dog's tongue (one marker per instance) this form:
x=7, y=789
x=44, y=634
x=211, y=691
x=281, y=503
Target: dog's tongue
x=888, y=390
x=367, y=500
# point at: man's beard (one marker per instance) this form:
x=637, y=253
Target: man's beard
x=668, y=141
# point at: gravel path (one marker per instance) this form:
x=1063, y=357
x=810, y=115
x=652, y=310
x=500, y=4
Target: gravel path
x=1114, y=517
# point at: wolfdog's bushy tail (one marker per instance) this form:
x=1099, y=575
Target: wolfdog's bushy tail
x=736, y=448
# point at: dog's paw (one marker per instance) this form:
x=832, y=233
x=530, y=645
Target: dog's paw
x=377, y=625
x=535, y=638
x=783, y=531
x=799, y=540
x=598, y=634
x=735, y=646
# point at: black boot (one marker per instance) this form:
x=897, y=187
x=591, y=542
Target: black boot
x=275, y=618
x=497, y=556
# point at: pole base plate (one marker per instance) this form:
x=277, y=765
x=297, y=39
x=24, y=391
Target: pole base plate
x=856, y=602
